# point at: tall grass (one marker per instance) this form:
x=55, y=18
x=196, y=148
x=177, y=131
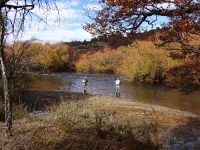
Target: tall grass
x=89, y=124
x=98, y=123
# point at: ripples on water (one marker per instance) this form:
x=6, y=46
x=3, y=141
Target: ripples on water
x=105, y=85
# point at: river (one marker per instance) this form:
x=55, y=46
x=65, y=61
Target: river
x=100, y=84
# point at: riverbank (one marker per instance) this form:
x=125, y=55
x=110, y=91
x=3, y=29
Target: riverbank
x=104, y=123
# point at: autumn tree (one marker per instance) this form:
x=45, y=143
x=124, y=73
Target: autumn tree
x=51, y=57
x=13, y=14
x=128, y=16
x=180, y=31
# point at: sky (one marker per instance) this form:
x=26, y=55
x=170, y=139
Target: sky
x=63, y=27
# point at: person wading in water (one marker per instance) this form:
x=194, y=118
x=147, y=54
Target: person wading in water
x=117, y=87
x=85, y=84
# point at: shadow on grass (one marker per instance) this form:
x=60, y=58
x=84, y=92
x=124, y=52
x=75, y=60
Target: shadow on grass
x=143, y=137
x=115, y=138
x=88, y=139
x=40, y=99
x=186, y=136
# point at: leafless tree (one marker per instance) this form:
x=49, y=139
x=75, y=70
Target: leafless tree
x=13, y=14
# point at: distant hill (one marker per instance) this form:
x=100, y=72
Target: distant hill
x=112, y=41
x=86, y=46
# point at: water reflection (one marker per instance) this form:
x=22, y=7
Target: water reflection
x=47, y=82
x=105, y=85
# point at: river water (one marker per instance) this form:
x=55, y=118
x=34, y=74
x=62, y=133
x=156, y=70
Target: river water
x=100, y=84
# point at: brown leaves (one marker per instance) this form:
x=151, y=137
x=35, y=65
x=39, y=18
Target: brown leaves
x=117, y=14
x=127, y=16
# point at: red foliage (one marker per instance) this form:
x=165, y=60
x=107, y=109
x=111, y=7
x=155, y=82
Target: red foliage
x=187, y=75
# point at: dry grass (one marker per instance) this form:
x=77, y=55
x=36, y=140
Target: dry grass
x=96, y=123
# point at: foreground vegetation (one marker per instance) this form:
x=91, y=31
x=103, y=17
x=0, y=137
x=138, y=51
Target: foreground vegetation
x=98, y=123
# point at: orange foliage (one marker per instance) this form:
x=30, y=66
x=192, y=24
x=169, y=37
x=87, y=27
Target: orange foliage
x=127, y=16
x=46, y=56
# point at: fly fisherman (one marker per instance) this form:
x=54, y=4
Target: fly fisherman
x=117, y=87
x=85, y=83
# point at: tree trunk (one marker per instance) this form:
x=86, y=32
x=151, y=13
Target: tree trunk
x=8, y=111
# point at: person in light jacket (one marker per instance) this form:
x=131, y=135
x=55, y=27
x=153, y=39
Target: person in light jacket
x=117, y=87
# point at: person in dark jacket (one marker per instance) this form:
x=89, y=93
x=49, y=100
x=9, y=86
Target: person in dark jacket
x=85, y=84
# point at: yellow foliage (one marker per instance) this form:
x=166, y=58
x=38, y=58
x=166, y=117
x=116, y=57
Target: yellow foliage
x=103, y=62
x=142, y=61
x=145, y=62
x=51, y=56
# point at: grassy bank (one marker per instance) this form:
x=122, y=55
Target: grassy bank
x=99, y=123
